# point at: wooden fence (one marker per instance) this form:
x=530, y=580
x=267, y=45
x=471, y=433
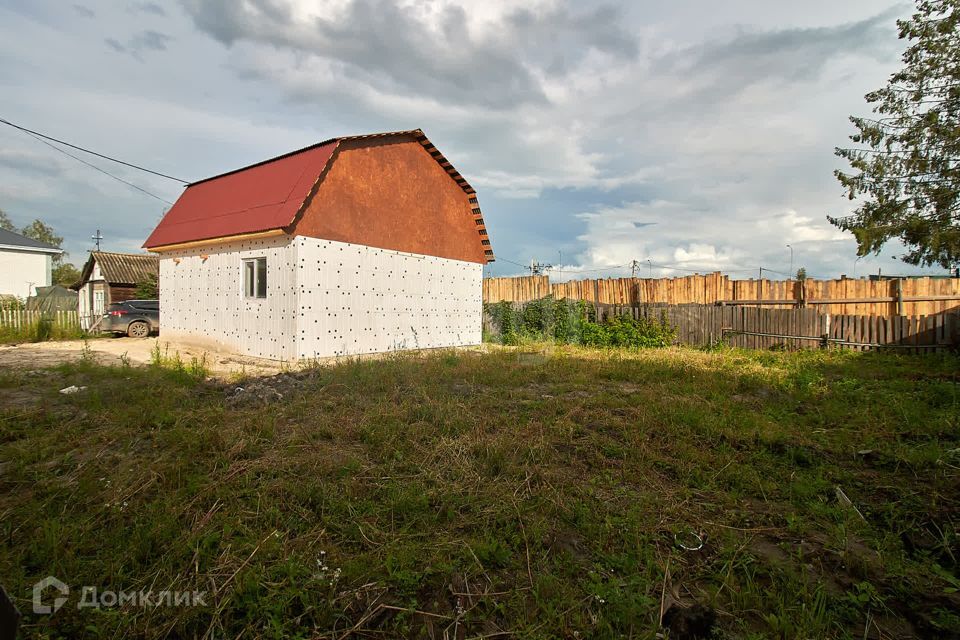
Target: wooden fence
x=761, y=328
x=21, y=318
x=904, y=297
x=793, y=329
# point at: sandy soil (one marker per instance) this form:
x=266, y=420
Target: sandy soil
x=112, y=350
x=138, y=351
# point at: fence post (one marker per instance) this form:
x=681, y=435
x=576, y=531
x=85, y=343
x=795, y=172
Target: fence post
x=760, y=290
x=596, y=299
x=825, y=336
x=899, y=296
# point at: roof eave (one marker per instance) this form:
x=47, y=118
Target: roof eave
x=206, y=242
x=27, y=249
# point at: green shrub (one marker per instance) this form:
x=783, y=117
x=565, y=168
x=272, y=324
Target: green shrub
x=627, y=332
x=548, y=319
x=573, y=322
x=594, y=335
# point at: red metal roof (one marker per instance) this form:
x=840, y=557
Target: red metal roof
x=260, y=197
x=269, y=195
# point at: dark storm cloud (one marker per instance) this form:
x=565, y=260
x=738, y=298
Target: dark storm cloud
x=394, y=50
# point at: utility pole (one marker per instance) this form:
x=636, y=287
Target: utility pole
x=650, y=265
x=560, y=266
x=537, y=269
x=633, y=269
x=97, y=238
x=792, y=274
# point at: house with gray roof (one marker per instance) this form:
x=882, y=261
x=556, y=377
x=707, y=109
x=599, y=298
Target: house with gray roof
x=109, y=277
x=25, y=264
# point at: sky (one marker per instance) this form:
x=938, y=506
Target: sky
x=687, y=135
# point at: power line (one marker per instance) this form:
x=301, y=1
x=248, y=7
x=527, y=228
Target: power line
x=93, y=166
x=619, y=266
x=551, y=267
x=525, y=266
x=93, y=153
x=573, y=271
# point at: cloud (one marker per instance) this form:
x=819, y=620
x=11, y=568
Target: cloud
x=535, y=96
x=30, y=162
x=84, y=11
x=779, y=56
x=136, y=45
x=433, y=50
x=114, y=44
x=148, y=7
x=684, y=239
x=152, y=40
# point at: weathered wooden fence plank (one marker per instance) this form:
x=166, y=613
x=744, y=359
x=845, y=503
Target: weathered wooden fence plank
x=860, y=297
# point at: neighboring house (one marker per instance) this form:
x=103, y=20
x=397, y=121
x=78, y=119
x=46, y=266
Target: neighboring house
x=354, y=245
x=111, y=277
x=25, y=263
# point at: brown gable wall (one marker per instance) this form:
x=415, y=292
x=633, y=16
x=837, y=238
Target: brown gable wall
x=391, y=194
x=122, y=293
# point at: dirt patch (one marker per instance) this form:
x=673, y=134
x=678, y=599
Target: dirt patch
x=134, y=351
x=117, y=351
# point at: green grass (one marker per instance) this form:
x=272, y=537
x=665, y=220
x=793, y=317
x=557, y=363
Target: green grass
x=540, y=493
x=40, y=330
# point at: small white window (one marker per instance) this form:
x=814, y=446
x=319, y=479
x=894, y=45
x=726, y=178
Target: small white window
x=255, y=278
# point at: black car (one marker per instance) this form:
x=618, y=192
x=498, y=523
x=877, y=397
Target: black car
x=136, y=318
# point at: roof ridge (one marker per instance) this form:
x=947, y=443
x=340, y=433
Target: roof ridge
x=125, y=253
x=412, y=132
x=119, y=268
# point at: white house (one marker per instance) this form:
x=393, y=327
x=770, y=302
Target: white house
x=25, y=264
x=355, y=245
